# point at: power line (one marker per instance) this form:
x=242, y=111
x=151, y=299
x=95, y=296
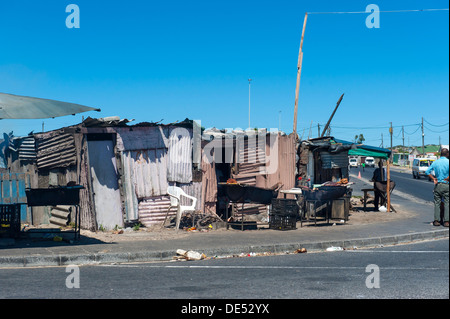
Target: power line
x=418, y=128
x=446, y=124
x=372, y=127
x=385, y=11
x=436, y=131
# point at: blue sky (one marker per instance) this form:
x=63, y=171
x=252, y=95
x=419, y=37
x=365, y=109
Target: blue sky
x=171, y=60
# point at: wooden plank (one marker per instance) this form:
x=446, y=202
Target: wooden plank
x=12, y=188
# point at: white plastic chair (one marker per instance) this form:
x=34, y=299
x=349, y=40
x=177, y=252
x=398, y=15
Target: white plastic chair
x=175, y=194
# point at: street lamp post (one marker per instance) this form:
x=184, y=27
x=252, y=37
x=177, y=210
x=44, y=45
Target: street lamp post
x=279, y=120
x=249, y=81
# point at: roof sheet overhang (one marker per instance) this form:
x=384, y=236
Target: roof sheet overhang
x=24, y=107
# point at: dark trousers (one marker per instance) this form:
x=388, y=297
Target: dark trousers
x=379, y=199
x=441, y=194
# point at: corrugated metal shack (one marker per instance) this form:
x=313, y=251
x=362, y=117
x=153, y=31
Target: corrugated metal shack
x=125, y=169
x=154, y=157
x=257, y=158
x=323, y=159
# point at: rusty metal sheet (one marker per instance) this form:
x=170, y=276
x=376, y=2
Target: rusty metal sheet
x=153, y=210
x=55, y=150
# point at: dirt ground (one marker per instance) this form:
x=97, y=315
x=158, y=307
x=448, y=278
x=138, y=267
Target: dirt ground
x=357, y=217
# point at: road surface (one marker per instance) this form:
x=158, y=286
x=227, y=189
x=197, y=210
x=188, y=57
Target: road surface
x=418, y=270
x=419, y=188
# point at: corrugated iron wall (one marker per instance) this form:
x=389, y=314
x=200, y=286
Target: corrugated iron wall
x=153, y=210
x=179, y=166
x=332, y=160
x=144, y=173
x=250, y=163
x=142, y=138
x=55, y=149
x=147, y=173
x=266, y=162
x=250, y=158
x=27, y=149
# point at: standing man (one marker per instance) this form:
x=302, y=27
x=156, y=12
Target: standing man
x=379, y=175
x=441, y=186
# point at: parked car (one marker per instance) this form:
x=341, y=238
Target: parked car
x=420, y=165
x=370, y=162
x=353, y=162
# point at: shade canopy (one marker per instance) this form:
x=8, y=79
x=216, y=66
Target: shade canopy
x=366, y=150
x=24, y=107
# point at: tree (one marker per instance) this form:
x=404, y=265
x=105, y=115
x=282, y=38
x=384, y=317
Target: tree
x=359, y=138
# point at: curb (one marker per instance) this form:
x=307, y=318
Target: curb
x=167, y=255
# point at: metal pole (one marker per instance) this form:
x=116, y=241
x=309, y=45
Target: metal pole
x=332, y=115
x=249, y=81
x=279, y=120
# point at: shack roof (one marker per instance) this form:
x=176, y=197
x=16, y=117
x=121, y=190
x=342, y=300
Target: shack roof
x=335, y=145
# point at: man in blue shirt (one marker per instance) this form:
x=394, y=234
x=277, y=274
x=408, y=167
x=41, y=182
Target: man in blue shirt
x=441, y=179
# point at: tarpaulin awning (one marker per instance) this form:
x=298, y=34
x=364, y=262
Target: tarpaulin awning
x=24, y=107
x=366, y=150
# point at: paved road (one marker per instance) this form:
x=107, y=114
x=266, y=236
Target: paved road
x=419, y=188
x=402, y=271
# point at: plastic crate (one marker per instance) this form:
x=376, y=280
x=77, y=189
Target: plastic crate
x=284, y=207
x=10, y=220
x=280, y=222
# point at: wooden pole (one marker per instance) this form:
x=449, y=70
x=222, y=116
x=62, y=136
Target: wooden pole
x=332, y=115
x=299, y=71
x=388, y=186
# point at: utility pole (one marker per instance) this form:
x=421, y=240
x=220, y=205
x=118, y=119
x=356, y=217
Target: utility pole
x=382, y=143
x=318, y=130
x=299, y=71
x=310, y=130
x=279, y=121
x=391, y=131
x=403, y=137
x=423, y=140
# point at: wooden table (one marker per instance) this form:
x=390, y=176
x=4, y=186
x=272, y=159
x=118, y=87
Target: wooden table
x=366, y=191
